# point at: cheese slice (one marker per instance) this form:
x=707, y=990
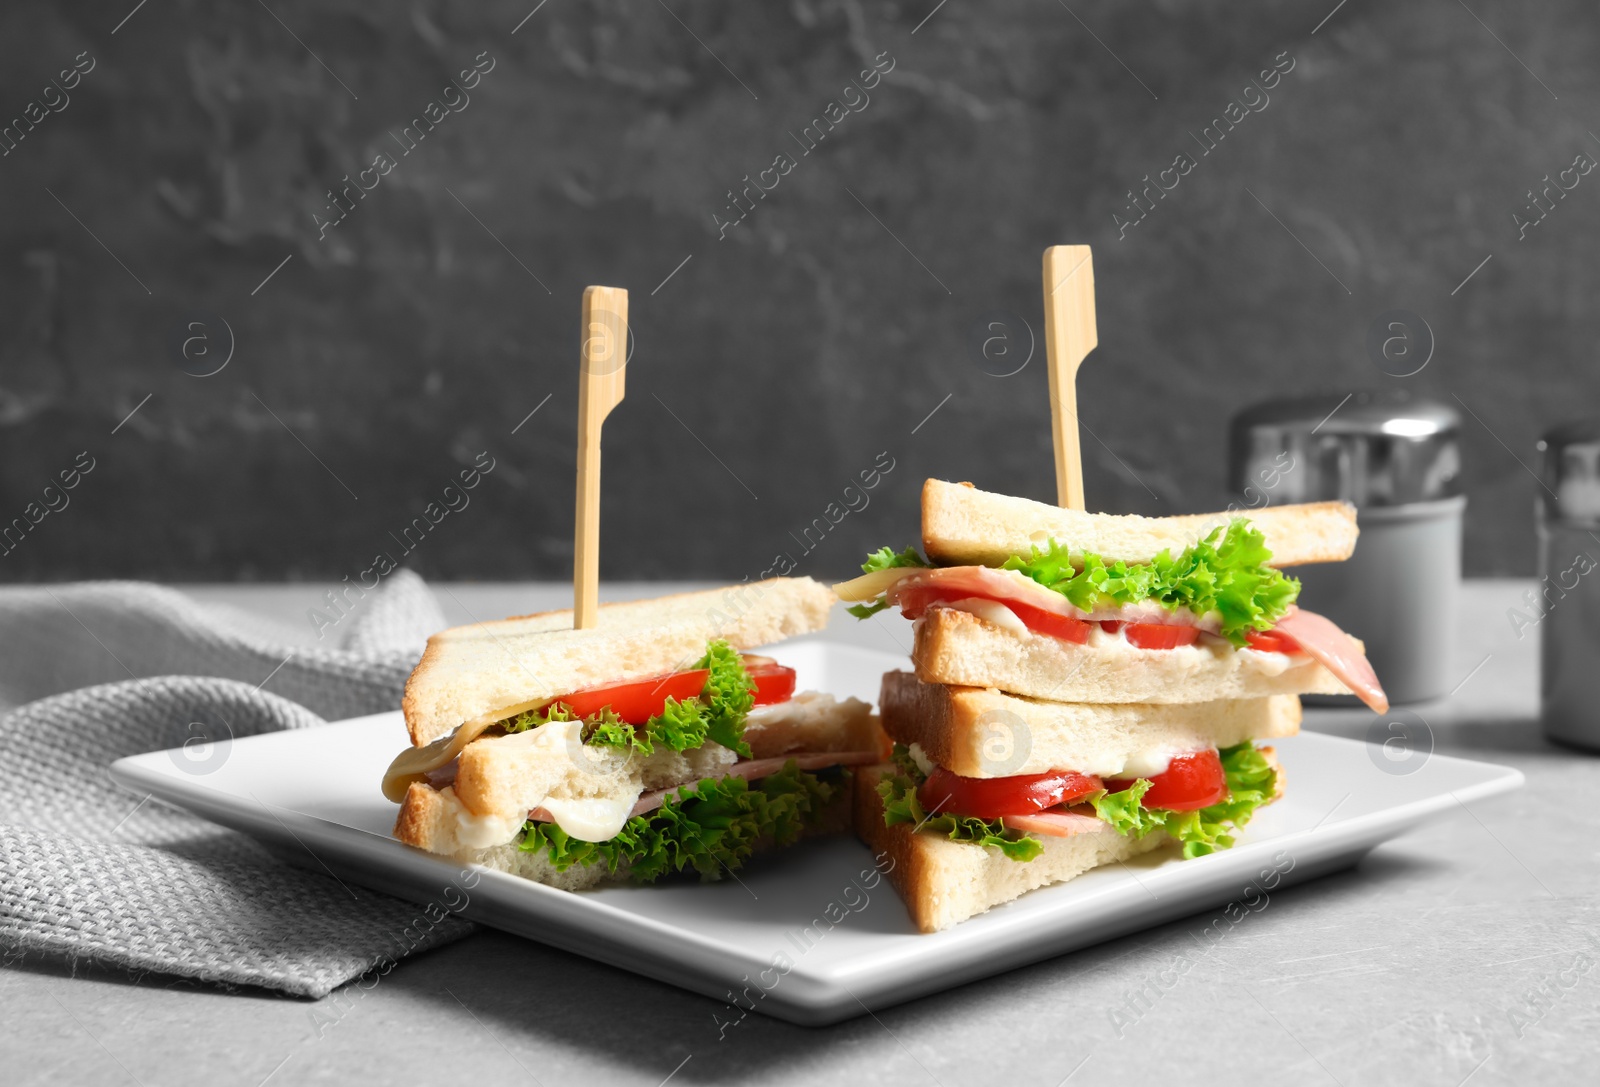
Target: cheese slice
x=869, y=587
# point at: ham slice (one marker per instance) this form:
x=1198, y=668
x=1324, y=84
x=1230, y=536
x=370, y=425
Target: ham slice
x=750, y=770
x=1337, y=652
x=986, y=582
x=1056, y=824
x=1009, y=586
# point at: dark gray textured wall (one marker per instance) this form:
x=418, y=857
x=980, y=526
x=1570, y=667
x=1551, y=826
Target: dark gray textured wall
x=782, y=359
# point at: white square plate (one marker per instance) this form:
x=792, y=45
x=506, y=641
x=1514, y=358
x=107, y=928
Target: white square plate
x=313, y=797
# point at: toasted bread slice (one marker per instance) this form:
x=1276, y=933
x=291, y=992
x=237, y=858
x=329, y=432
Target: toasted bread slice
x=959, y=648
x=493, y=670
x=983, y=733
x=963, y=526
x=944, y=882
x=431, y=810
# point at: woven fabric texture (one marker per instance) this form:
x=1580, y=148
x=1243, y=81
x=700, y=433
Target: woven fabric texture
x=89, y=872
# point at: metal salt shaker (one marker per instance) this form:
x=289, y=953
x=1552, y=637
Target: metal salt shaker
x=1398, y=460
x=1566, y=603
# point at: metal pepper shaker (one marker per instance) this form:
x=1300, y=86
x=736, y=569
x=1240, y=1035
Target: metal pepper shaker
x=1398, y=460
x=1565, y=605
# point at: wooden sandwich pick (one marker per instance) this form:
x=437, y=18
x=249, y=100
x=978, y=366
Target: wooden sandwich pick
x=603, y=359
x=1069, y=335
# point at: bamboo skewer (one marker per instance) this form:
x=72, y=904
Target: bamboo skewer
x=603, y=358
x=1069, y=336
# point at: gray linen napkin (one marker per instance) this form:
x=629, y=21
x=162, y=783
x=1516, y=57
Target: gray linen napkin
x=94, y=671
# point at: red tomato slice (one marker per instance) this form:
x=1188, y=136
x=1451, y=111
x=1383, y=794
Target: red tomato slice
x=1160, y=635
x=1189, y=783
x=917, y=599
x=1064, y=627
x=641, y=700
x=1111, y=626
x=774, y=682
x=1270, y=641
x=995, y=798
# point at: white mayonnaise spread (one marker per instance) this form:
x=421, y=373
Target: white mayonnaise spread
x=1146, y=763
x=991, y=610
x=484, y=831
x=1268, y=664
x=592, y=819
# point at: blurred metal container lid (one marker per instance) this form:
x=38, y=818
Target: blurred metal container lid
x=1372, y=449
x=1572, y=471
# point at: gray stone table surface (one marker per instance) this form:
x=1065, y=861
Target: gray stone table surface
x=1462, y=952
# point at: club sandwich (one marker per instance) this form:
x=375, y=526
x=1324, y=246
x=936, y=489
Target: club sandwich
x=1088, y=687
x=649, y=744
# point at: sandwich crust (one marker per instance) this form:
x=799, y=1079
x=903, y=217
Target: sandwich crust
x=956, y=647
x=495, y=668
x=423, y=817
x=978, y=732
x=963, y=526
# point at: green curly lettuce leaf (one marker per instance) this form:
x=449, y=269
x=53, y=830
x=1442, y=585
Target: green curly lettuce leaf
x=1226, y=573
x=907, y=765
x=711, y=827
x=612, y=731
x=717, y=713
x=528, y=719
x=604, y=723
x=728, y=695
x=1251, y=782
x=900, y=805
x=885, y=558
